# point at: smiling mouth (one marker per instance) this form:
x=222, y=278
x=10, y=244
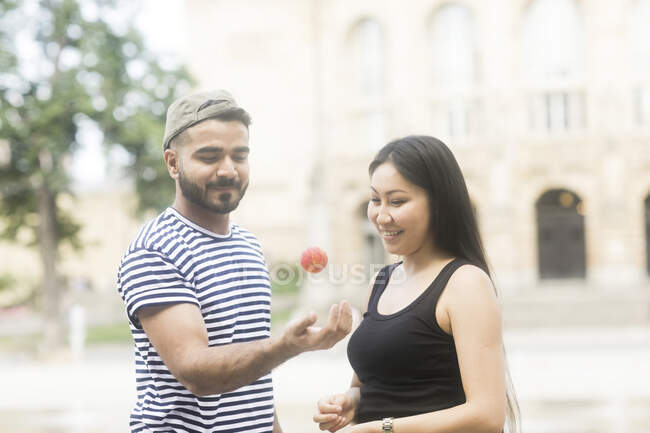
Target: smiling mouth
x=390, y=234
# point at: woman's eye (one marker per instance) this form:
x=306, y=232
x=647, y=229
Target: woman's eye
x=374, y=200
x=397, y=202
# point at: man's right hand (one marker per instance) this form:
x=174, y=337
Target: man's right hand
x=180, y=337
x=301, y=336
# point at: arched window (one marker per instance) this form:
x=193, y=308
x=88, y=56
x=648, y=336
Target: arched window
x=368, y=46
x=640, y=43
x=552, y=44
x=647, y=232
x=367, y=60
x=561, y=235
x=453, y=47
x=454, y=70
x=374, y=255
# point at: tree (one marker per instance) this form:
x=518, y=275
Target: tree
x=63, y=64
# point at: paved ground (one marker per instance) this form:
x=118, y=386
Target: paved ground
x=568, y=381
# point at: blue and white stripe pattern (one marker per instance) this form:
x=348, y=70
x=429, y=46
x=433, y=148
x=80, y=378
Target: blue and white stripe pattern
x=173, y=260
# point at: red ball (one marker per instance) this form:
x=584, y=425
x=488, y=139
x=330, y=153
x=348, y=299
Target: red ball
x=313, y=260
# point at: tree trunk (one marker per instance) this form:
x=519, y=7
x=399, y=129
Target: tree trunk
x=47, y=239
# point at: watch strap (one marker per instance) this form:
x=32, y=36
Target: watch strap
x=387, y=425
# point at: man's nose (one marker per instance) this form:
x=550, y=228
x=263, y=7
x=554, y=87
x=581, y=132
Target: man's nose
x=226, y=168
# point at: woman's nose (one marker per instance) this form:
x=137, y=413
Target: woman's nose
x=383, y=218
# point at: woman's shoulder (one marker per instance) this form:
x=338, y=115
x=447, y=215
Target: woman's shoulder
x=469, y=273
x=469, y=282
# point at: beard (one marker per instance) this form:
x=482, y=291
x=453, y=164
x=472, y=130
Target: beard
x=198, y=195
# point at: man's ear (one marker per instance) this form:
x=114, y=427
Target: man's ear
x=172, y=162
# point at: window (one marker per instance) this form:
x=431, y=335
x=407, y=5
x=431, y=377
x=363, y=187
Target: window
x=639, y=35
x=372, y=129
x=642, y=106
x=647, y=233
x=553, y=65
x=367, y=121
x=374, y=255
x=454, y=71
x=453, y=48
x=368, y=46
x=557, y=110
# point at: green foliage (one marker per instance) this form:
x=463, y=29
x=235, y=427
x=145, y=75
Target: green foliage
x=6, y=281
x=118, y=333
x=109, y=333
x=286, y=279
x=84, y=70
x=7, y=56
x=14, y=292
x=279, y=317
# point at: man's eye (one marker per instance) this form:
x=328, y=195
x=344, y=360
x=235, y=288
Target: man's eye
x=242, y=157
x=208, y=159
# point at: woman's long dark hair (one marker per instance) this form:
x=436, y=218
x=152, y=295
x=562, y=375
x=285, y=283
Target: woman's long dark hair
x=428, y=163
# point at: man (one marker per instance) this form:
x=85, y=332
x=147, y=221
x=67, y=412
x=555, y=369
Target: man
x=197, y=289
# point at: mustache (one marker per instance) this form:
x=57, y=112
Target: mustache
x=224, y=183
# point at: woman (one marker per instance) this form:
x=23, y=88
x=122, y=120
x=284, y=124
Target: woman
x=428, y=355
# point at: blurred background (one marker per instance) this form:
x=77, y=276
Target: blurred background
x=545, y=103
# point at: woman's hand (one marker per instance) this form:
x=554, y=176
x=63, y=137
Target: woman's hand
x=337, y=411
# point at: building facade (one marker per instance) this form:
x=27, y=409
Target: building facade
x=545, y=103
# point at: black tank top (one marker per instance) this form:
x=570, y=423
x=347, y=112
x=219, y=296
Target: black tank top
x=406, y=363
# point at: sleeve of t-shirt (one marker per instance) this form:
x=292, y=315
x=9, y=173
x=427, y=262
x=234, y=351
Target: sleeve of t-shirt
x=148, y=278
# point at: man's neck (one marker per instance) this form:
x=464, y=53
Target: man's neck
x=209, y=220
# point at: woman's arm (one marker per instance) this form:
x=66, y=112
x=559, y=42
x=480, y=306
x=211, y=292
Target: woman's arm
x=470, y=305
x=337, y=411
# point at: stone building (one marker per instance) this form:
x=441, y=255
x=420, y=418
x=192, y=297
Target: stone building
x=551, y=128
x=545, y=103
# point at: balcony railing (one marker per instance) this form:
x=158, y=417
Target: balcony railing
x=557, y=110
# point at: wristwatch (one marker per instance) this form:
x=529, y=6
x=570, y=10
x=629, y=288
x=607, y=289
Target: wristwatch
x=387, y=425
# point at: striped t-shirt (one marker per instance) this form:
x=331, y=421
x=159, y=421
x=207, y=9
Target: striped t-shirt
x=173, y=260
